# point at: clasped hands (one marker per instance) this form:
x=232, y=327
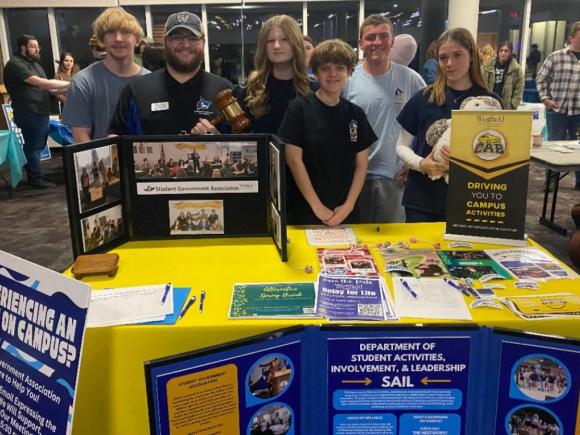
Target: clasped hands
x=332, y=218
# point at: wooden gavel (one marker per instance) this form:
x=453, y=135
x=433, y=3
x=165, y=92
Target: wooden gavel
x=230, y=111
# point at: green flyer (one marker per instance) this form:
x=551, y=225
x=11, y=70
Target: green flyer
x=291, y=299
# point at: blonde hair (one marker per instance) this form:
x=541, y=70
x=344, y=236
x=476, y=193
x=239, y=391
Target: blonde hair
x=486, y=53
x=116, y=19
x=463, y=37
x=333, y=51
x=257, y=96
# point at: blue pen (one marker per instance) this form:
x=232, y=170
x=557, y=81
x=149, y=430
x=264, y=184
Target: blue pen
x=408, y=288
x=456, y=287
x=201, y=300
x=189, y=304
x=165, y=293
x=473, y=292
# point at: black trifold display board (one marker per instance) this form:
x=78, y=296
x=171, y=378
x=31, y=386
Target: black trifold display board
x=164, y=187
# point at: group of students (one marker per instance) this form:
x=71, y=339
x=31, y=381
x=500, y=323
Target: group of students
x=355, y=134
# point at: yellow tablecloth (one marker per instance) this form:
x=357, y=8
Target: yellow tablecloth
x=111, y=397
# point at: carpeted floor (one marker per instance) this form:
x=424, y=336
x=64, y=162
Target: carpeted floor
x=34, y=223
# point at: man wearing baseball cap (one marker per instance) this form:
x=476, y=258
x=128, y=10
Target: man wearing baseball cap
x=171, y=100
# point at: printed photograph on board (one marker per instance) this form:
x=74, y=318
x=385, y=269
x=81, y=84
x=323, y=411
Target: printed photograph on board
x=197, y=217
x=533, y=420
x=276, y=226
x=270, y=376
x=97, y=177
x=275, y=176
x=195, y=160
x=541, y=378
x=102, y=227
x=273, y=419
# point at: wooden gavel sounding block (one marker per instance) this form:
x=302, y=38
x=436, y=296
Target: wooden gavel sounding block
x=230, y=111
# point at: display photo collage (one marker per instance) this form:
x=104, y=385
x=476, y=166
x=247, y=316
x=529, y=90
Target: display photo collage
x=97, y=182
x=196, y=217
x=195, y=160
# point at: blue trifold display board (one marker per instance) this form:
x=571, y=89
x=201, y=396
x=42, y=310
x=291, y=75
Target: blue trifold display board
x=390, y=381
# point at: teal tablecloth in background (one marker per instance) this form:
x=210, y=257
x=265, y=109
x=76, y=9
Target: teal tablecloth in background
x=11, y=152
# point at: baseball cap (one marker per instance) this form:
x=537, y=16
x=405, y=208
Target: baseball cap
x=184, y=20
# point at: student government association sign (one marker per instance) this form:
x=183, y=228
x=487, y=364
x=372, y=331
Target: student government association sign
x=488, y=176
x=42, y=324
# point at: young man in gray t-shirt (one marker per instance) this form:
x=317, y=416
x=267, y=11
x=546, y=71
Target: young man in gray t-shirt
x=94, y=92
x=381, y=88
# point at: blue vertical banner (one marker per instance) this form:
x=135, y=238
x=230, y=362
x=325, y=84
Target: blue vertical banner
x=397, y=384
x=42, y=325
x=538, y=387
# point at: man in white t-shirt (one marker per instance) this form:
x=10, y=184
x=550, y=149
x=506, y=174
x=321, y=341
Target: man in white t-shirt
x=381, y=88
x=93, y=93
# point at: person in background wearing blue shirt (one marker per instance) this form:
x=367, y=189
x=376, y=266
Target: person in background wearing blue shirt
x=459, y=78
x=430, y=66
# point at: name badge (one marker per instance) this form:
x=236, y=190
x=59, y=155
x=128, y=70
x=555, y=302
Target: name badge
x=157, y=107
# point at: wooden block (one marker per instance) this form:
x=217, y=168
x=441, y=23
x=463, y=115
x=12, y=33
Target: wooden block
x=95, y=264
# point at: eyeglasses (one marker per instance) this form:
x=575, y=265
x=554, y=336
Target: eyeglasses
x=180, y=39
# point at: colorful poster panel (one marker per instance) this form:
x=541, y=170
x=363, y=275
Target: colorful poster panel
x=488, y=176
x=201, y=217
x=275, y=176
x=101, y=228
x=248, y=388
x=195, y=160
x=41, y=335
x=97, y=177
x=538, y=387
x=399, y=382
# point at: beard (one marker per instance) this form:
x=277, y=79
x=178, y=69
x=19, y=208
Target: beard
x=180, y=66
x=33, y=56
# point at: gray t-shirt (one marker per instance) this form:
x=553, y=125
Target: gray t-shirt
x=92, y=98
x=382, y=98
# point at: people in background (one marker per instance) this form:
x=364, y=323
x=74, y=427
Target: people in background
x=404, y=49
x=308, y=49
x=327, y=139
x=26, y=82
x=279, y=75
x=430, y=66
x=486, y=53
x=94, y=92
x=97, y=50
x=533, y=60
x=66, y=69
x=459, y=78
x=145, y=42
x=172, y=100
x=558, y=84
x=504, y=76
x=381, y=88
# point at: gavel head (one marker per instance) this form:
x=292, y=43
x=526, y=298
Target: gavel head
x=231, y=111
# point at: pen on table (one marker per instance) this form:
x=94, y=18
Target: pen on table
x=409, y=289
x=201, y=300
x=456, y=287
x=472, y=292
x=189, y=304
x=166, y=292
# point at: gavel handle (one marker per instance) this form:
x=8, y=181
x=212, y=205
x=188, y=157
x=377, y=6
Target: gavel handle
x=216, y=120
